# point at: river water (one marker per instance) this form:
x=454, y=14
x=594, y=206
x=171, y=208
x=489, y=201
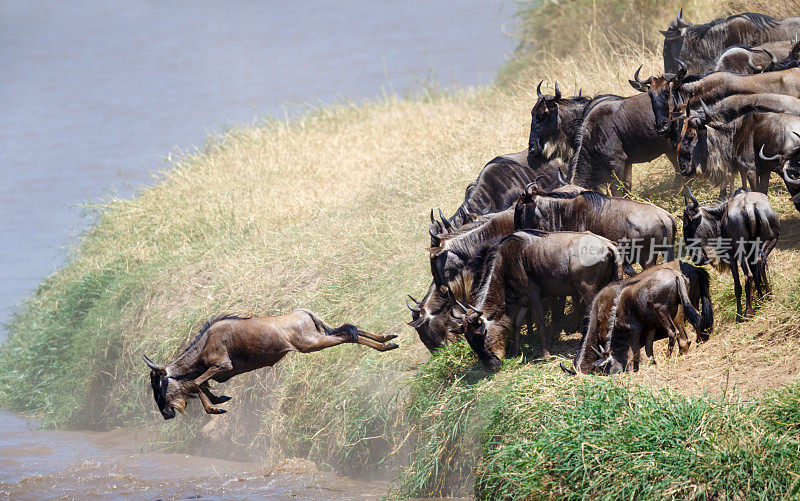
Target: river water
x=95, y=94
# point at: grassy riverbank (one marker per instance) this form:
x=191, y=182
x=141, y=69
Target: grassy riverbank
x=329, y=212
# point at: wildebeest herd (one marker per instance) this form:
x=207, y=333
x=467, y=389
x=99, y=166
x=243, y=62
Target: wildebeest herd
x=534, y=230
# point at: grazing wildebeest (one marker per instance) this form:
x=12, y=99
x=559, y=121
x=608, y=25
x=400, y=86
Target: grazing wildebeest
x=738, y=232
x=720, y=143
x=616, y=132
x=699, y=45
x=639, y=310
x=554, y=123
x=230, y=345
x=431, y=318
x=526, y=270
x=643, y=226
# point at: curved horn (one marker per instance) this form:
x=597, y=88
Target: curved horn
x=580, y=92
x=158, y=368
x=756, y=68
x=415, y=309
x=636, y=75
x=434, y=236
x=597, y=352
x=476, y=310
x=458, y=303
x=706, y=111
x=558, y=92
x=529, y=188
x=794, y=181
x=766, y=158
x=433, y=220
x=695, y=203
x=539, y=89
x=447, y=224
x=772, y=58
x=569, y=371
x=412, y=298
x=561, y=180
x=681, y=72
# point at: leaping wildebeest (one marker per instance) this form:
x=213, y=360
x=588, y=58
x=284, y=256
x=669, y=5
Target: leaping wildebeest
x=639, y=310
x=230, y=345
x=738, y=232
x=526, y=270
x=698, y=45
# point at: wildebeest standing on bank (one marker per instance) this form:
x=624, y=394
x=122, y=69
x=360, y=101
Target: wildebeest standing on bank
x=746, y=60
x=616, y=132
x=554, y=122
x=645, y=228
x=739, y=232
x=229, y=345
x=699, y=45
x=430, y=317
x=527, y=269
x=639, y=310
x=719, y=149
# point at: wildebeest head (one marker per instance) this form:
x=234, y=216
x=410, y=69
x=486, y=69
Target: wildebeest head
x=474, y=327
x=697, y=229
x=431, y=319
x=664, y=96
x=693, y=142
x=788, y=166
x=168, y=393
x=544, y=120
x=673, y=42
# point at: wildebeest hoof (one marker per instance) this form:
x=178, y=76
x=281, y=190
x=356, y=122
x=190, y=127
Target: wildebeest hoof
x=390, y=336
x=222, y=399
x=391, y=346
x=217, y=410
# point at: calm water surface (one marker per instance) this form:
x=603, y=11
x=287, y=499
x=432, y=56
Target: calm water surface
x=95, y=94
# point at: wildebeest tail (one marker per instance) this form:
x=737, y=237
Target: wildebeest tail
x=691, y=314
x=321, y=326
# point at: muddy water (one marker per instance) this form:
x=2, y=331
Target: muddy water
x=110, y=465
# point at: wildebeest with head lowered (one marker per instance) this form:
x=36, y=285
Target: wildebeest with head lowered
x=230, y=345
x=738, y=232
x=639, y=310
x=616, y=132
x=526, y=270
x=699, y=45
x=431, y=318
x=643, y=226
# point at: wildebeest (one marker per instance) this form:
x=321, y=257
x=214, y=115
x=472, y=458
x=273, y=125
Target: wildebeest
x=554, y=123
x=230, y=345
x=738, y=232
x=747, y=60
x=639, y=310
x=643, y=226
x=526, y=270
x=616, y=132
x=786, y=162
x=720, y=143
x=431, y=318
x=699, y=45
x=499, y=184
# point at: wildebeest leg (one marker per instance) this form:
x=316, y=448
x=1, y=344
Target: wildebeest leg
x=633, y=351
x=662, y=312
x=538, y=317
x=748, y=288
x=216, y=400
x=763, y=183
x=209, y=408
x=381, y=338
x=314, y=340
x=750, y=179
x=627, y=177
x=737, y=289
x=557, y=305
x=514, y=350
x=648, y=345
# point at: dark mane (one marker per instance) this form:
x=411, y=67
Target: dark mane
x=595, y=199
x=208, y=325
x=529, y=231
x=759, y=21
